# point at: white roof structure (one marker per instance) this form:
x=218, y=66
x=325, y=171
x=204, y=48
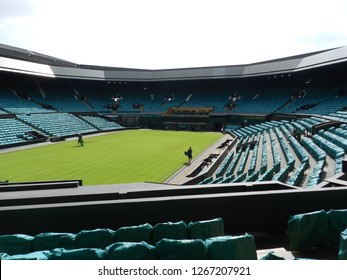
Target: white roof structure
x=24, y=61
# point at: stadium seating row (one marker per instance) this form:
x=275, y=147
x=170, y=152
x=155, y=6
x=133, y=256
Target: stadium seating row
x=316, y=175
x=263, y=161
x=275, y=154
x=331, y=149
x=197, y=240
x=101, y=123
x=217, y=248
x=335, y=139
x=57, y=124
x=13, y=131
x=85, y=96
x=242, y=165
x=319, y=229
x=305, y=148
x=252, y=164
x=296, y=146
x=314, y=150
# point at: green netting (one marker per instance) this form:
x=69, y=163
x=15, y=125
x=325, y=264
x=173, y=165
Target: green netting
x=206, y=229
x=308, y=230
x=231, y=248
x=14, y=244
x=187, y=249
x=97, y=238
x=337, y=220
x=134, y=234
x=40, y=255
x=271, y=256
x=131, y=251
x=78, y=254
x=343, y=246
x=169, y=230
x=52, y=240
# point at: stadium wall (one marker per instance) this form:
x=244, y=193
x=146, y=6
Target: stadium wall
x=264, y=212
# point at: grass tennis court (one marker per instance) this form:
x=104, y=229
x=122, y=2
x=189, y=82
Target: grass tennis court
x=122, y=157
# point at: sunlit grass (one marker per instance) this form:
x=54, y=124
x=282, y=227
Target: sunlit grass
x=122, y=157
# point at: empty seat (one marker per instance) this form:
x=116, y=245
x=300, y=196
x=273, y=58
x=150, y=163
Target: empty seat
x=131, y=251
x=170, y=230
x=14, y=244
x=97, y=238
x=231, y=248
x=134, y=233
x=187, y=249
x=308, y=230
x=52, y=240
x=337, y=220
x=206, y=229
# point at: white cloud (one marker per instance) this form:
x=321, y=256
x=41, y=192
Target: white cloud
x=16, y=8
x=171, y=34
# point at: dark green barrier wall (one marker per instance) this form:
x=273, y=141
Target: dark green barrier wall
x=262, y=211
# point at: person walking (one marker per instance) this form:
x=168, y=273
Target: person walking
x=80, y=140
x=189, y=154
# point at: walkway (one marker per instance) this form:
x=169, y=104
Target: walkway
x=180, y=177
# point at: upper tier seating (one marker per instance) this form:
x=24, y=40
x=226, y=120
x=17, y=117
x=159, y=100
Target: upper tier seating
x=11, y=103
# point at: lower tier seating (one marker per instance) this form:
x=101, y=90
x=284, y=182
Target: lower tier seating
x=197, y=240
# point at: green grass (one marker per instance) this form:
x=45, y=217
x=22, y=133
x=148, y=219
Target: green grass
x=123, y=157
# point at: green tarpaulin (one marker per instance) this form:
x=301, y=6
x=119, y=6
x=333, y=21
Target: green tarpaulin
x=343, y=246
x=169, y=230
x=206, y=229
x=14, y=244
x=97, y=238
x=187, y=249
x=134, y=234
x=337, y=221
x=52, y=240
x=131, y=251
x=231, y=248
x=78, y=254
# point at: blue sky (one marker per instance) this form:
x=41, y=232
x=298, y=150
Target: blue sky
x=159, y=34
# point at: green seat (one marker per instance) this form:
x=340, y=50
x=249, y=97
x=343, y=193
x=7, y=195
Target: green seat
x=14, y=244
x=134, y=234
x=337, y=220
x=131, y=251
x=231, y=248
x=308, y=230
x=187, y=249
x=97, y=238
x=170, y=230
x=206, y=229
x=52, y=240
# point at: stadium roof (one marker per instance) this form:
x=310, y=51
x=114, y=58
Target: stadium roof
x=25, y=61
